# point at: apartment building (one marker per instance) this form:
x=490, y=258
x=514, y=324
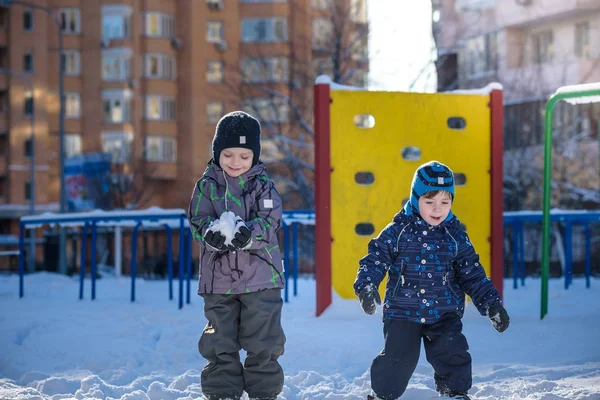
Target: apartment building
x=146, y=80
x=532, y=47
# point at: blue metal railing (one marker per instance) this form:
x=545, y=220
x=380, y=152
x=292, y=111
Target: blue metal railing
x=517, y=219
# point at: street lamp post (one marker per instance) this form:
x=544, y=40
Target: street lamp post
x=61, y=119
x=32, y=155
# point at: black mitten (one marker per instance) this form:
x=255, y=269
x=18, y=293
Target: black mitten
x=242, y=237
x=369, y=297
x=499, y=317
x=216, y=240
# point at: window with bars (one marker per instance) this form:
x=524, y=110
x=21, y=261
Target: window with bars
x=28, y=62
x=214, y=31
x=582, y=39
x=70, y=62
x=118, y=144
x=543, y=47
x=70, y=20
x=267, y=69
x=267, y=109
x=72, y=105
x=72, y=144
x=214, y=72
x=116, y=106
x=161, y=149
x=160, y=66
x=115, y=26
x=116, y=65
x=160, y=108
x=28, y=103
x=159, y=25
x=322, y=33
x=28, y=20
x=214, y=111
x=264, y=30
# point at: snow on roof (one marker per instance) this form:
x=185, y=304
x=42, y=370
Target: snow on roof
x=483, y=91
x=584, y=87
x=326, y=80
x=150, y=217
x=302, y=217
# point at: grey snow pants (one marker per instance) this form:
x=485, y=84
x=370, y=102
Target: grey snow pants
x=250, y=321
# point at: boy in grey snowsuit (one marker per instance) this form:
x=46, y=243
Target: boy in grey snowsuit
x=240, y=278
x=431, y=264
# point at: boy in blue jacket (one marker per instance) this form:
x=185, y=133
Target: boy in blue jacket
x=431, y=264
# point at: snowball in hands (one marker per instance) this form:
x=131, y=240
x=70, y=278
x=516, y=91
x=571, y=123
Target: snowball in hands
x=228, y=224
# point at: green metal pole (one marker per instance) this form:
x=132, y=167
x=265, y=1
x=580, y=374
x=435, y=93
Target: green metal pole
x=547, y=181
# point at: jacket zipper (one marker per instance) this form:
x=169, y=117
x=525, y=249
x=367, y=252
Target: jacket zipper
x=226, y=190
x=400, y=278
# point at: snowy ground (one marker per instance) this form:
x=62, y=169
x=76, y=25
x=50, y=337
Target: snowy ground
x=54, y=346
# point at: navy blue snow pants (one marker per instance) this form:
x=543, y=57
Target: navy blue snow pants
x=446, y=349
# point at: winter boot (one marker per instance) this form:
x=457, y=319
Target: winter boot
x=373, y=397
x=456, y=396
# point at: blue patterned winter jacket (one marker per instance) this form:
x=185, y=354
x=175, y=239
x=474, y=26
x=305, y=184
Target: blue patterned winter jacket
x=430, y=269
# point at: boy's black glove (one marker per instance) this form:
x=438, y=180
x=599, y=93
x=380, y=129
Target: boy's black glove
x=216, y=240
x=369, y=296
x=242, y=237
x=499, y=317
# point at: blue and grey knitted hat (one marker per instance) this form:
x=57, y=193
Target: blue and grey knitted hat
x=429, y=177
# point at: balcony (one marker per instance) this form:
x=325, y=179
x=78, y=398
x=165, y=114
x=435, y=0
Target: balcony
x=162, y=170
x=536, y=12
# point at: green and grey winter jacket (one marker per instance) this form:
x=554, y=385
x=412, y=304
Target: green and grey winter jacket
x=253, y=197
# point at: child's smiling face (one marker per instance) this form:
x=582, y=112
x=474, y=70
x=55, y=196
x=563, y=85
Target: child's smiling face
x=435, y=210
x=235, y=160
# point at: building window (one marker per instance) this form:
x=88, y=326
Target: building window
x=582, y=40
x=116, y=21
x=268, y=69
x=214, y=31
x=70, y=20
x=358, y=78
x=480, y=55
x=116, y=64
x=269, y=150
x=214, y=72
x=264, y=29
x=27, y=188
x=28, y=20
x=268, y=109
x=323, y=66
x=159, y=25
x=542, y=47
x=160, y=66
x=322, y=4
x=28, y=103
x=28, y=63
x=161, y=149
x=28, y=147
x=358, y=11
x=70, y=62
x=116, y=106
x=214, y=111
x=72, y=144
x=72, y=105
x=160, y=108
x=118, y=144
x=359, y=46
x=322, y=33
